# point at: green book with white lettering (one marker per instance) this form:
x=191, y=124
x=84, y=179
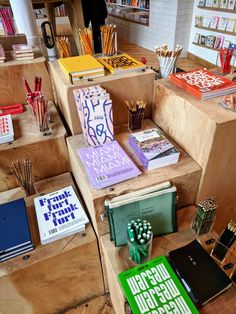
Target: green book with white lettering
x=154, y=288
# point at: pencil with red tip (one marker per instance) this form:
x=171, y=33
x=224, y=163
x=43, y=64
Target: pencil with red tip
x=27, y=86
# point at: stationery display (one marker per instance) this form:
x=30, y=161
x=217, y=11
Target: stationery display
x=205, y=216
x=167, y=59
x=135, y=114
x=6, y=129
x=7, y=21
x=95, y=112
x=23, y=173
x=155, y=204
x=139, y=240
x=81, y=67
x=153, y=149
x=107, y=164
x=153, y=287
x=191, y=263
x=225, y=242
x=63, y=47
x=86, y=41
x=121, y=63
x=23, y=52
x=229, y=102
x=59, y=214
x=11, y=109
x=109, y=39
x=225, y=57
x=2, y=54
x=15, y=238
x=203, y=84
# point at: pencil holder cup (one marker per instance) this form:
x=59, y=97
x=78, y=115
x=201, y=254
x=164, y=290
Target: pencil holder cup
x=135, y=121
x=109, y=44
x=226, y=60
x=140, y=253
x=202, y=226
x=220, y=252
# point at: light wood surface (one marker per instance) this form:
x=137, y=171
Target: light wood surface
x=56, y=276
x=121, y=87
x=8, y=41
x=207, y=133
x=117, y=260
x=48, y=153
x=185, y=175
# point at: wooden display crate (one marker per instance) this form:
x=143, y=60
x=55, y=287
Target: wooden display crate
x=185, y=175
x=49, y=153
x=207, y=133
x=126, y=86
x=117, y=261
x=55, y=277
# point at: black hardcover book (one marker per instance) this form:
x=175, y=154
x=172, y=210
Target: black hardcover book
x=199, y=272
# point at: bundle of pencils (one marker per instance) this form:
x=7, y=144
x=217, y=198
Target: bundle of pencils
x=86, y=40
x=167, y=59
x=137, y=107
x=63, y=47
x=139, y=240
x=109, y=39
x=23, y=173
x=207, y=208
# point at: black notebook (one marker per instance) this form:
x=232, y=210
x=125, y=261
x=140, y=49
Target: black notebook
x=200, y=274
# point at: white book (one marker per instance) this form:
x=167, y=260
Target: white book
x=59, y=214
x=231, y=4
x=206, y=22
x=209, y=3
x=214, y=22
x=215, y=4
x=223, y=4
x=230, y=25
x=222, y=23
x=196, y=38
x=6, y=129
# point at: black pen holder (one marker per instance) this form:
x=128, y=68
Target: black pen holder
x=221, y=251
x=135, y=121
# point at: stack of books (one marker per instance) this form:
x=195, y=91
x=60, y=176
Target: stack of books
x=107, y=164
x=153, y=149
x=81, y=67
x=203, y=84
x=15, y=238
x=2, y=54
x=121, y=63
x=59, y=214
x=22, y=52
x=94, y=108
x=6, y=129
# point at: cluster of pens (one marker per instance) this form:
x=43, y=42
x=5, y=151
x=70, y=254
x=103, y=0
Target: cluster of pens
x=23, y=173
x=139, y=240
x=63, y=47
x=167, y=59
x=38, y=105
x=109, y=39
x=86, y=40
x=225, y=56
x=135, y=114
x=225, y=242
x=205, y=216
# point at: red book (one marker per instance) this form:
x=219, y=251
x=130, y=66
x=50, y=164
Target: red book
x=203, y=84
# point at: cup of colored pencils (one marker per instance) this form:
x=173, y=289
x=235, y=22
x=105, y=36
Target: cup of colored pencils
x=63, y=47
x=167, y=59
x=86, y=41
x=38, y=105
x=109, y=39
x=140, y=236
x=135, y=114
x=22, y=171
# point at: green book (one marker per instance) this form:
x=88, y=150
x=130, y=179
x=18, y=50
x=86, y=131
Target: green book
x=154, y=288
x=155, y=204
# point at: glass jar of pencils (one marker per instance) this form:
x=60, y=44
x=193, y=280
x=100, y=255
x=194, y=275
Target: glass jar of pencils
x=135, y=121
x=109, y=39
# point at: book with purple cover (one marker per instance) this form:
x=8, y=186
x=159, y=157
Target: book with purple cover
x=107, y=164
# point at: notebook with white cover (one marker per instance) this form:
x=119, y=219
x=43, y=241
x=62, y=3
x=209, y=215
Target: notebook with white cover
x=6, y=129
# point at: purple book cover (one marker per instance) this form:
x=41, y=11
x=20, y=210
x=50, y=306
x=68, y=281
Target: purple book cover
x=107, y=164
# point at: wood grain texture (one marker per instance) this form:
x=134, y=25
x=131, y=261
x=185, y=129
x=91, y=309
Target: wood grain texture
x=121, y=87
x=56, y=276
x=185, y=175
x=207, y=133
x=117, y=261
x=49, y=154
x=8, y=41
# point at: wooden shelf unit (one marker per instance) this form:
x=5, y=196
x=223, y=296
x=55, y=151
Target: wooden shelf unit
x=216, y=30
x=217, y=9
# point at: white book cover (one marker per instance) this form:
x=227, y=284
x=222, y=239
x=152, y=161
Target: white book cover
x=206, y=22
x=226, y=44
x=223, y=4
x=196, y=38
x=222, y=23
x=59, y=214
x=209, y=3
x=214, y=22
x=230, y=25
x=215, y=4
x=6, y=129
x=231, y=4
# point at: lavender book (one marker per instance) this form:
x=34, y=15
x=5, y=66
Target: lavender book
x=153, y=149
x=107, y=164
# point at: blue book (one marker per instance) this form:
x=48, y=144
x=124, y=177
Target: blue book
x=14, y=226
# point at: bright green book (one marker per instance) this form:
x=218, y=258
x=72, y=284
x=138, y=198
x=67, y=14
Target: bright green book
x=154, y=288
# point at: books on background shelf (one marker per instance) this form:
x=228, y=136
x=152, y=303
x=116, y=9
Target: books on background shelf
x=199, y=20
x=94, y=108
x=231, y=4
x=153, y=287
x=223, y=4
x=22, y=52
x=219, y=42
x=6, y=129
x=107, y=164
x=201, y=265
x=121, y=63
x=153, y=149
x=15, y=238
x=155, y=204
x=214, y=22
x=2, y=54
x=210, y=41
x=7, y=21
x=206, y=21
x=203, y=84
x=59, y=214
x=81, y=67
x=222, y=23
x=230, y=25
